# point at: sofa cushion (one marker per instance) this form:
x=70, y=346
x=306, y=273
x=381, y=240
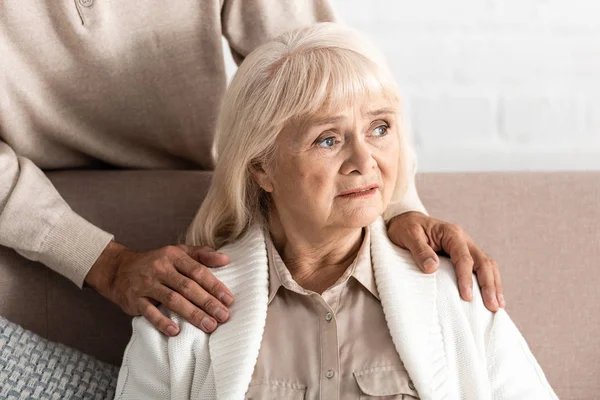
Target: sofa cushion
x=33, y=367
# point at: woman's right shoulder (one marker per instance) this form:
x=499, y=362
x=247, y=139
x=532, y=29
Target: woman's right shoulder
x=248, y=252
x=153, y=338
x=155, y=365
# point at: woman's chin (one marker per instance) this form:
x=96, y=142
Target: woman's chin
x=360, y=217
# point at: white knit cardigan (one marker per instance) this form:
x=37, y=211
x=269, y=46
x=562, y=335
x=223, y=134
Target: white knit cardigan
x=452, y=349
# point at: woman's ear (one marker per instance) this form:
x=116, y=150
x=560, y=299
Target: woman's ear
x=260, y=176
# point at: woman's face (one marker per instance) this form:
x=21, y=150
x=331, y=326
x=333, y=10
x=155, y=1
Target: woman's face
x=338, y=171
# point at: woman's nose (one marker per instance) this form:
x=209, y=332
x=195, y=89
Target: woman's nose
x=359, y=158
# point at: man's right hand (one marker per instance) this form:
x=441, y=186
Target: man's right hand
x=175, y=276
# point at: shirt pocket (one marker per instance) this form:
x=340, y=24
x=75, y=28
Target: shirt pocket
x=385, y=383
x=275, y=390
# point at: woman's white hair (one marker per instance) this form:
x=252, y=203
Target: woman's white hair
x=321, y=69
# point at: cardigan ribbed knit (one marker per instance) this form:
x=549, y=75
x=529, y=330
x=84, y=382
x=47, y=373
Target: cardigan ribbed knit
x=452, y=349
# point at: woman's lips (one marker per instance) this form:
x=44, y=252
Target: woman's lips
x=359, y=192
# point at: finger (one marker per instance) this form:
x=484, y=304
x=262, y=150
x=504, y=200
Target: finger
x=202, y=275
x=206, y=255
x=499, y=287
x=484, y=268
x=191, y=291
x=456, y=246
x=415, y=240
x=156, y=318
x=181, y=306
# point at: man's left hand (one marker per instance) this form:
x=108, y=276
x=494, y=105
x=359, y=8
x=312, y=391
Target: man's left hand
x=423, y=236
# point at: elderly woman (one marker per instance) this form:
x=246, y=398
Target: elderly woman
x=310, y=153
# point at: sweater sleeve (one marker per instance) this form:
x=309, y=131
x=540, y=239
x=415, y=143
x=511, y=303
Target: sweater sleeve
x=37, y=222
x=145, y=371
x=513, y=371
x=246, y=24
x=159, y=367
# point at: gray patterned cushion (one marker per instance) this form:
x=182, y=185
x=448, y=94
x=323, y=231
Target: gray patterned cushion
x=32, y=367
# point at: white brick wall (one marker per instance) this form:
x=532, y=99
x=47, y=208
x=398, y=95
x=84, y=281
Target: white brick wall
x=493, y=84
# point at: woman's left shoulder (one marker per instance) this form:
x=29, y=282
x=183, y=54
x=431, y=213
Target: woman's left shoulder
x=446, y=274
x=448, y=292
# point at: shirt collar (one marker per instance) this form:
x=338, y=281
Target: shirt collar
x=363, y=272
x=279, y=275
x=361, y=269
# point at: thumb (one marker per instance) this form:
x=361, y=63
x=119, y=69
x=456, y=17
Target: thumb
x=416, y=242
x=206, y=255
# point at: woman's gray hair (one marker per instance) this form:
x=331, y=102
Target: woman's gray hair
x=284, y=83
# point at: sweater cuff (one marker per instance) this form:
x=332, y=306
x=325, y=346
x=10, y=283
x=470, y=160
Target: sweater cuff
x=73, y=246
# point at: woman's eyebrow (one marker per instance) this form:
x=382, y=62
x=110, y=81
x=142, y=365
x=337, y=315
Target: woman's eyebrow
x=326, y=120
x=380, y=111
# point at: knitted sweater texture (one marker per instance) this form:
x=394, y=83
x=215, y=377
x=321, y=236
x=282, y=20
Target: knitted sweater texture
x=452, y=349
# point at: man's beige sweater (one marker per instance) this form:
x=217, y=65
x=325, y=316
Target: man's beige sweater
x=130, y=84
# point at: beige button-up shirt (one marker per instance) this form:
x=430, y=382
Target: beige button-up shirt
x=334, y=345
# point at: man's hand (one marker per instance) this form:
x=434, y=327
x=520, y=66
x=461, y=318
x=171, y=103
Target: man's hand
x=175, y=276
x=423, y=236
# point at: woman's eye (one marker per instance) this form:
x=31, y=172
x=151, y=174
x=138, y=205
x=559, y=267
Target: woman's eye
x=381, y=130
x=328, y=142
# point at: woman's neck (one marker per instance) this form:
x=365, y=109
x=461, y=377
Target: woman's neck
x=316, y=258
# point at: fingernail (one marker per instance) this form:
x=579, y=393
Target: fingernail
x=208, y=324
x=226, y=299
x=494, y=300
x=221, y=314
x=429, y=263
x=470, y=292
x=172, y=330
x=502, y=301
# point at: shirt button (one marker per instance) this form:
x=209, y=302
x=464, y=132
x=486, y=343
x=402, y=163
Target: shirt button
x=328, y=316
x=329, y=374
x=411, y=385
x=86, y=3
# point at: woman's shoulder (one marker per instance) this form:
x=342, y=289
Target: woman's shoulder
x=144, y=330
x=447, y=281
x=449, y=299
x=246, y=254
x=446, y=274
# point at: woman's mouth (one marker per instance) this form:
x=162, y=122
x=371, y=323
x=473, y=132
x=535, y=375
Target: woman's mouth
x=359, y=192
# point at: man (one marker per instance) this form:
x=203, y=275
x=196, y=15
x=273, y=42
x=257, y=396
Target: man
x=90, y=83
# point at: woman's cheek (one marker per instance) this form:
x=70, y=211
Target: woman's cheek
x=390, y=177
x=317, y=186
